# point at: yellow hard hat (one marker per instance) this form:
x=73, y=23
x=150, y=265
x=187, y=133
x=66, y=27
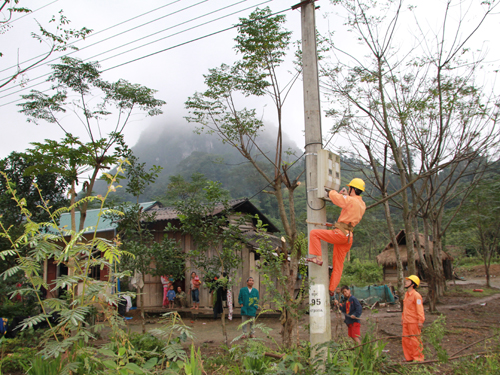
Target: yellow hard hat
x=357, y=183
x=414, y=278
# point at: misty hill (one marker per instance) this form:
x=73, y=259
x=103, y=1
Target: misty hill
x=181, y=151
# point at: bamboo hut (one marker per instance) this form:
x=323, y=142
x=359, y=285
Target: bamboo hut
x=387, y=258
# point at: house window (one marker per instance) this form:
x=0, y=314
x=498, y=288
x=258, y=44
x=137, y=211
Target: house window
x=95, y=272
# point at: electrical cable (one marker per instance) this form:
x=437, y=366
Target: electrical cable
x=279, y=175
x=107, y=39
x=132, y=49
x=154, y=53
x=98, y=32
x=183, y=43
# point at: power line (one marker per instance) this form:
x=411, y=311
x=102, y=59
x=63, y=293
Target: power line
x=154, y=53
x=181, y=44
x=132, y=49
x=107, y=39
x=279, y=175
x=93, y=34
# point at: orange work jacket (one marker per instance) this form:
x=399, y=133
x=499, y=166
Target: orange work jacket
x=353, y=208
x=413, y=308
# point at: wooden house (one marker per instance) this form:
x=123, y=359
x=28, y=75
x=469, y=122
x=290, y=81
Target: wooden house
x=106, y=229
x=153, y=289
x=153, y=292
x=387, y=258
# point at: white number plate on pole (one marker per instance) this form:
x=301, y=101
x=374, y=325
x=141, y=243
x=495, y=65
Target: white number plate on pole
x=317, y=308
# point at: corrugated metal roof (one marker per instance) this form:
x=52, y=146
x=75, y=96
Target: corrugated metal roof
x=237, y=205
x=93, y=217
x=170, y=213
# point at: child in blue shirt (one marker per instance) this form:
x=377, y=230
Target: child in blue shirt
x=171, y=297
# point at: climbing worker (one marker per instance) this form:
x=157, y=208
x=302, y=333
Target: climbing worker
x=412, y=320
x=353, y=209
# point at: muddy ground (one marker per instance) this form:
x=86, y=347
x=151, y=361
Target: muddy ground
x=470, y=316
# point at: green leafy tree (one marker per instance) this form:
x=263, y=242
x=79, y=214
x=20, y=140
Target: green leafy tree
x=58, y=39
x=67, y=157
x=180, y=189
x=480, y=216
x=72, y=327
x=262, y=43
x=79, y=88
x=138, y=241
x=143, y=253
x=33, y=190
x=205, y=217
x=137, y=176
x=17, y=167
x=419, y=115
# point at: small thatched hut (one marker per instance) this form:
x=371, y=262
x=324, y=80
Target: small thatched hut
x=387, y=258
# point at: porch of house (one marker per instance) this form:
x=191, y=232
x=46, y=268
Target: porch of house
x=204, y=312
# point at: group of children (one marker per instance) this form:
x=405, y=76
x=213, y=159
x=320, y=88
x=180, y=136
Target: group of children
x=353, y=209
x=170, y=297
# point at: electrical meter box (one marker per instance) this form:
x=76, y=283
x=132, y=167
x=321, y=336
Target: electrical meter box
x=328, y=171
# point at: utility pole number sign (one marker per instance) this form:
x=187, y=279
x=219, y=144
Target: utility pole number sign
x=316, y=300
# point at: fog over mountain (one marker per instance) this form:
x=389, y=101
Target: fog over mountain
x=180, y=150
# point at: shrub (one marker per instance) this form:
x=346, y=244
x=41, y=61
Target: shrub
x=361, y=274
x=146, y=342
x=18, y=360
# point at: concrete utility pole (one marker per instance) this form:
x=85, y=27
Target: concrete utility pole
x=319, y=298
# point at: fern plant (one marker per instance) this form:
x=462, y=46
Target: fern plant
x=47, y=242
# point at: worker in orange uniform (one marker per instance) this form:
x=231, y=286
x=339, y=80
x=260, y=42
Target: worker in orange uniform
x=413, y=320
x=353, y=209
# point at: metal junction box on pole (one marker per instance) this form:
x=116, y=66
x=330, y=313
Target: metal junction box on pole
x=328, y=171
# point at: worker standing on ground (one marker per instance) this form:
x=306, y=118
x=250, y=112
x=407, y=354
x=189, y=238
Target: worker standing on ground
x=412, y=320
x=353, y=209
x=352, y=311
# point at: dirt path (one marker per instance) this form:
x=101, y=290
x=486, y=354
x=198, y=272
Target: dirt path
x=468, y=318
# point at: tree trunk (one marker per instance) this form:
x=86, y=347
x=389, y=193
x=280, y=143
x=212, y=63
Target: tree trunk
x=72, y=194
x=289, y=322
x=399, y=263
x=223, y=323
x=143, y=318
x=437, y=259
x=88, y=193
x=487, y=273
x=431, y=276
x=407, y=215
x=288, y=318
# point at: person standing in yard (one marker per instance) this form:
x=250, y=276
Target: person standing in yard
x=195, y=290
x=413, y=320
x=171, y=297
x=249, y=301
x=352, y=310
x=353, y=209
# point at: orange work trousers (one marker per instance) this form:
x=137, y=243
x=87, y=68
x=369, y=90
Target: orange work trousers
x=412, y=346
x=341, y=246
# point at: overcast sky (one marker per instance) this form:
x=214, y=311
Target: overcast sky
x=178, y=72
